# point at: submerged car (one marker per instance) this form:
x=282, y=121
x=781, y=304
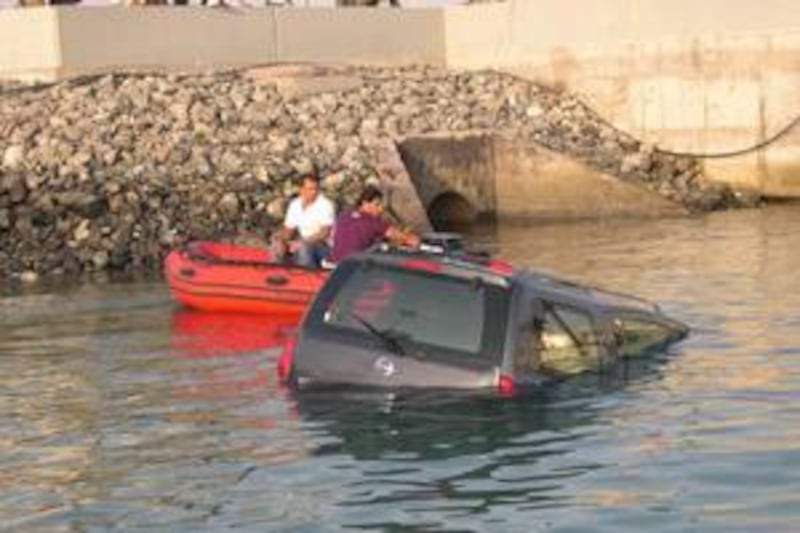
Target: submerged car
x=435, y=319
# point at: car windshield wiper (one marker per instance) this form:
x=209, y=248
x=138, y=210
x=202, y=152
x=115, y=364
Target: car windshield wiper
x=388, y=338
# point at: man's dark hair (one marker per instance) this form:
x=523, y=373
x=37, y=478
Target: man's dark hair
x=369, y=194
x=308, y=176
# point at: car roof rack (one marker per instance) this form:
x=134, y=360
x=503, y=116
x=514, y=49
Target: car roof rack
x=453, y=258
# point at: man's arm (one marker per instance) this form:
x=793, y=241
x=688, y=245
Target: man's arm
x=284, y=233
x=320, y=235
x=288, y=229
x=400, y=237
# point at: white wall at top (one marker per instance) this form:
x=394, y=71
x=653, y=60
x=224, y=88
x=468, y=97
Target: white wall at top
x=431, y=3
x=544, y=23
x=403, y=3
x=258, y=3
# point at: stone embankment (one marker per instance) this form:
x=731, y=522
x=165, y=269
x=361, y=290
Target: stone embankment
x=111, y=172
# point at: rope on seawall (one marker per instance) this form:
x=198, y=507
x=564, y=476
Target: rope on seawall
x=697, y=155
x=744, y=151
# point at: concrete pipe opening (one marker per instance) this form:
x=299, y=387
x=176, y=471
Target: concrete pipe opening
x=451, y=211
x=453, y=174
x=470, y=178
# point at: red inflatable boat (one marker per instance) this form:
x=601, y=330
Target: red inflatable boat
x=223, y=277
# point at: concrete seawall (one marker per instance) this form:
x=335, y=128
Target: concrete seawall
x=710, y=78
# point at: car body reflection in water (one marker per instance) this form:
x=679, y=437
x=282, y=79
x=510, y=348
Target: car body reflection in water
x=457, y=454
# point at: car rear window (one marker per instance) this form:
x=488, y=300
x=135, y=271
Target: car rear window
x=439, y=311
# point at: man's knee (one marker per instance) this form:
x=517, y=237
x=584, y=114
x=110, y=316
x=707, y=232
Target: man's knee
x=311, y=254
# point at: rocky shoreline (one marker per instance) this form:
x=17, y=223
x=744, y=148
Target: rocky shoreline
x=111, y=172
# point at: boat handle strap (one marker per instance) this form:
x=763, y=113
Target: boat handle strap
x=277, y=280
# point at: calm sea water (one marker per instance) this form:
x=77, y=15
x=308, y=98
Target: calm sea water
x=119, y=411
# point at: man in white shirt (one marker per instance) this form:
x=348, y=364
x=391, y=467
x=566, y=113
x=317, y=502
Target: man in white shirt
x=307, y=226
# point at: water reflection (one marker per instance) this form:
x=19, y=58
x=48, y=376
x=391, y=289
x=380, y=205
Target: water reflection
x=434, y=459
x=196, y=334
x=232, y=355
x=118, y=411
x=429, y=425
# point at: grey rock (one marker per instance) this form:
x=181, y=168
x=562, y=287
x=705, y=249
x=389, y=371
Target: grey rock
x=13, y=156
x=534, y=111
x=276, y=208
x=334, y=181
x=82, y=232
x=14, y=185
x=303, y=165
x=636, y=161
x=33, y=180
x=346, y=126
x=24, y=225
x=201, y=166
x=229, y=204
x=180, y=109
x=100, y=260
x=29, y=276
x=115, y=203
x=262, y=174
x=112, y=187
x=85, y=204
x=279, y=144
x=230, y=162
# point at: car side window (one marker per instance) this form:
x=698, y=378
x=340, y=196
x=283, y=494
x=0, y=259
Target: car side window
x=636, y=336
x=567, y=341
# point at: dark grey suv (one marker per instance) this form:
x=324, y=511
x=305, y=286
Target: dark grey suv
x=404, y=320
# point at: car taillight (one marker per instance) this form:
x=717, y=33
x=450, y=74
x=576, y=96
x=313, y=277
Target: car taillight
x=505, y=385
x=500, y=267
x=286, y=358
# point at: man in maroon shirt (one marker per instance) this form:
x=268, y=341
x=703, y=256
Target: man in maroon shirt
x=357, y=230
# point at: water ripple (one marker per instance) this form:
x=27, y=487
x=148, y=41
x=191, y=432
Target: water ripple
x=119, y=412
